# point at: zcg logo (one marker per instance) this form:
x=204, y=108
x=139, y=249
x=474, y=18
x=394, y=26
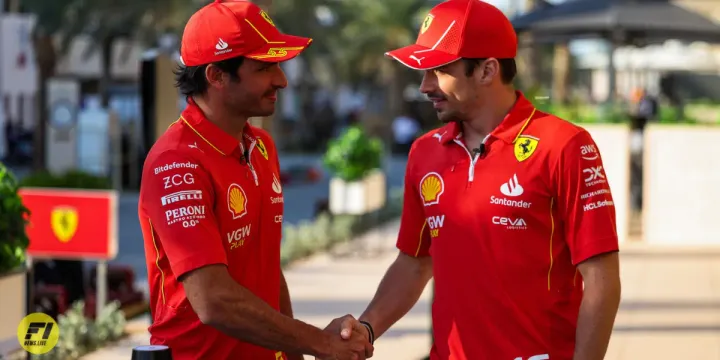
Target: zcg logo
x=177, y=180
x=38, y=333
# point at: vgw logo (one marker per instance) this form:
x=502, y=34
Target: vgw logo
x=435, y=223
x=38, y=333
x=236, y=238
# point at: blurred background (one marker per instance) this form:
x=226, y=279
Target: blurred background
x=86, y=87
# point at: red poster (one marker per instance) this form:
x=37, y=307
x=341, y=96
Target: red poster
x=71, y=224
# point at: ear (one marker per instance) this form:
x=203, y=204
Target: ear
x=215, y=77
x=487, y=71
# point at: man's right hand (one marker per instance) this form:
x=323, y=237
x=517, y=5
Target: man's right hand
x=352, y=344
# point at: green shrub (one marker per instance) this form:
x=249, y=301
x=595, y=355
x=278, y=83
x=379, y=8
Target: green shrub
x=73, y=179
x=309, y=237
x=353, y=155
x=80, y=335
x=13, y=220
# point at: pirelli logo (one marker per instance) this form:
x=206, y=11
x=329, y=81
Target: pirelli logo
x=181, y=196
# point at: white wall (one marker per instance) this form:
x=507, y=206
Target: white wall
x=682, y=185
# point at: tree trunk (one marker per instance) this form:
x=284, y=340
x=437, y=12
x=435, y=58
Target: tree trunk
x=529, y=58
x=46, y=58
x=561, y=73
x=106, y=76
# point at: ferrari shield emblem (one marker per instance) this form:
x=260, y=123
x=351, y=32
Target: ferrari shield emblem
x=426, y=23
x=266, y=17
x=64, y=222
x=261, y=147
x=525, y=146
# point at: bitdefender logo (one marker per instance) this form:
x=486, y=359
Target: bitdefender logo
x=175, y=165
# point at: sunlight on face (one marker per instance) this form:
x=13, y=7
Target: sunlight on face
x=255, y=93
x=450, y=90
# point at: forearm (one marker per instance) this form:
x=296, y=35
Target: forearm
x=398, y=292
x=239, y=313
x=286, y=309
x=595, y=322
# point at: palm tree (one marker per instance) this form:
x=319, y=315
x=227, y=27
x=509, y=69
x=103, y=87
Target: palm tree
x=363, y=32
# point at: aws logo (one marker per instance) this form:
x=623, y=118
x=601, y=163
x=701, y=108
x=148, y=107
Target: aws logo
x=431, y=187
x=237, y=201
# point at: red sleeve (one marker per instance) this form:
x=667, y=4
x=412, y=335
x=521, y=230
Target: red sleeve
x=179, y=204
x=414, y=238
x=584, y=200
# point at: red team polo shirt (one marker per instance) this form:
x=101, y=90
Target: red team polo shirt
x=202, y=203
x=506, y=230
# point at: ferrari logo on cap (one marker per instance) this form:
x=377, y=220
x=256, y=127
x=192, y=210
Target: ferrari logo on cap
x=431, y=187
x=261, y=147
x=266, y=17
x=64, y=222
x=237, y=201
x=525, y=146
x=426, y=23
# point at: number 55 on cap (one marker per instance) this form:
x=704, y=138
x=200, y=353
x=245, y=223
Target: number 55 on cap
x=38, y=333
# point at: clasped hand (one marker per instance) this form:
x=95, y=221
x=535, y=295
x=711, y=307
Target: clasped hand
x=352, y=340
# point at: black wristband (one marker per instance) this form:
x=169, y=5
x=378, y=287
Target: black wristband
x=371, y=332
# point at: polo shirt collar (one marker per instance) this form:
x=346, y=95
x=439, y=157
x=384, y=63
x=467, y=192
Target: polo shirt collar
x=512, y=126
x=222, y=142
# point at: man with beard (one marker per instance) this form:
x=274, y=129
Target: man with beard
x=211, y=202
x=507, y=207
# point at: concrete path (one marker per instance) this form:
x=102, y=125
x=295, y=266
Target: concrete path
x=670, y=308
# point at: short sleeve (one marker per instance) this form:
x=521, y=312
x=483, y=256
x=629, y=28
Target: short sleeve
x=176, y=194
x=584, y=200
x=413, y=238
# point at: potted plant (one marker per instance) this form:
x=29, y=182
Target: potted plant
x=358, y=185
x=13, y=244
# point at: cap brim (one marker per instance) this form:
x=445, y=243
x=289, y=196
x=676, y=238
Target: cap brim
x=420, y=57
x=283, y=49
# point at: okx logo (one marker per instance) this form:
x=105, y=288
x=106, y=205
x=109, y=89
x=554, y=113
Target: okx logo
x=38, y=333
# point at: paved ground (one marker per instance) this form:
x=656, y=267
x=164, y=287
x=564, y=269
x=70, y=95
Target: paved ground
x=670, y=308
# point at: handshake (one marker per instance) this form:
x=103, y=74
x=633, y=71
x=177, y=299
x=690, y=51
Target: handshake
x=352, y=341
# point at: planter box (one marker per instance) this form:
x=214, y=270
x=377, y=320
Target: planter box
x=613, y=141
x=12, y=309
x=358, y=197
x=681, y=178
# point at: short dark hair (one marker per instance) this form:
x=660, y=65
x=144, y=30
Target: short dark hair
x=190, y=80
x=508, y=68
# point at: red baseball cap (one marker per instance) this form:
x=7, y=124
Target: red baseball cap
x=224, y=30
x=458, y=29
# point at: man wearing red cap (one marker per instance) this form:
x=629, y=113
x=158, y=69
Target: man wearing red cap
x=211, y=203
x=507, y=207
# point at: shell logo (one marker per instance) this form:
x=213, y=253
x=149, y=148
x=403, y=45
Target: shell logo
x=431, y=187
x=237, y=201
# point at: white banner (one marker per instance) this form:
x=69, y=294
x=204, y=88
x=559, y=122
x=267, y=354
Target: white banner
x=18, y=72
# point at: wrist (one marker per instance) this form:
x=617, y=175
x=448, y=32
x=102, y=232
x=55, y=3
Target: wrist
x=322, y=347
x=371, y=332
